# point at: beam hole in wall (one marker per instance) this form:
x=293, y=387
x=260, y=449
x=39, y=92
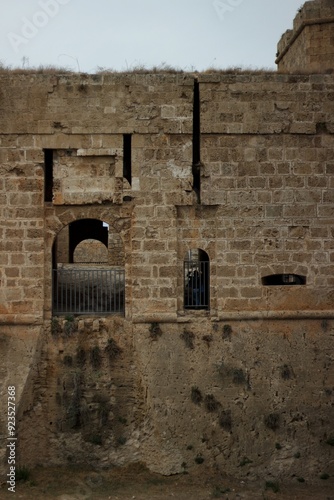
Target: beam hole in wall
x=48, y=175
x=127, y=157
x=196, y=166
x=196, y=280
x=283, y=280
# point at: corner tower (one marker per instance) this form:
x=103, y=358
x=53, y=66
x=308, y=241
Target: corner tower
x=309, y=46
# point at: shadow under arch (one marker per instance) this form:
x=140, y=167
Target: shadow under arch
x=70, y=236
x=86, y=229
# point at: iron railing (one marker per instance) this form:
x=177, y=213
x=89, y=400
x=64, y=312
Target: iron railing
x=88, y=291
x=196, y=284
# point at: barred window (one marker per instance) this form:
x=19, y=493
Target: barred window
x=197, y=280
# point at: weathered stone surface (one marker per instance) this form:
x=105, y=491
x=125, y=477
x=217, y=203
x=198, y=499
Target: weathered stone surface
x=309, y=45
x=245, y=383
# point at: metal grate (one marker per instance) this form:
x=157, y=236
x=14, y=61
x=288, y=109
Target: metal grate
x=88, y=291
x=196, y=284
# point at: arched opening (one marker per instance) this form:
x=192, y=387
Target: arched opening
x=196, y=280
x=88, y=269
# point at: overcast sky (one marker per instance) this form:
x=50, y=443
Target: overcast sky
x=87, y=35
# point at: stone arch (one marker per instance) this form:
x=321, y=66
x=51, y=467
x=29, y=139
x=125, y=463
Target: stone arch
x=118, y=217
x=92, y=250
x=119, y=222
x=88, y=276
x=86, y=229
x=77, y=231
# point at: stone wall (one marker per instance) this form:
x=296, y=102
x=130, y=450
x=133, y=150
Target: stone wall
x=309, y=47
x=20, y=355
x=84, y=397
x=22, y=243
x=239, y=396
x=267, y=153
x=250, y=398
x=91, y=251
x=244, y=385
x=267, y=167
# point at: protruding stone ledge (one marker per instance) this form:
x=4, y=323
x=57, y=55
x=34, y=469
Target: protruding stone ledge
x=309, y=50
x=21, y=319
x=274, y=315
x=290, y=36
x=155, y=318
x=100, y=152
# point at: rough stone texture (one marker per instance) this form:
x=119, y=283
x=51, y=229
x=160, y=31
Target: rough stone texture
x=256, y=414
x=80, y=180
x=246, y=385
x=91, y=251
x=19, y=360
x=309, y=46
x=86, y=394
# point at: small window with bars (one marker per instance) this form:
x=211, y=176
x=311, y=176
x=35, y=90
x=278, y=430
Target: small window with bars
x=197, y=280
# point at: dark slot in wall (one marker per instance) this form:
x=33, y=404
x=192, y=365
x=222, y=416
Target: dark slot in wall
x=196, y=142
x=127, y=157
x=283, y=279
x=48, y=174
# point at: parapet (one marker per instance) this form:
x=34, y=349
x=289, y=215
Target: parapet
x=309, y=46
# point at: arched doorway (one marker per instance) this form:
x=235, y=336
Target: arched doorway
x=88, y=276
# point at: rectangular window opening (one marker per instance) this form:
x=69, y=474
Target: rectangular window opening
x=127, y=157
x=48, y=175
x=283, y=280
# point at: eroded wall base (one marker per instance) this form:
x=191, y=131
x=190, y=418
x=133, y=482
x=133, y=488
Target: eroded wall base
x=251, y=398
x=19, y=360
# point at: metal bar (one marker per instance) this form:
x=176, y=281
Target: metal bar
x=84, y=291
x=196, y=284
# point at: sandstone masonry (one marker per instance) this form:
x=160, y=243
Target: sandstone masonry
x=234, y=170
x=309, y=46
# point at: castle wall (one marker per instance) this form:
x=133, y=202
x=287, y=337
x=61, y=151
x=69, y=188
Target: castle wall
x=267, y=162
x=267, y=166
x=23, y=225
x=260, y=356
x=309, y=47
x=20, y=356
x=251, y=398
